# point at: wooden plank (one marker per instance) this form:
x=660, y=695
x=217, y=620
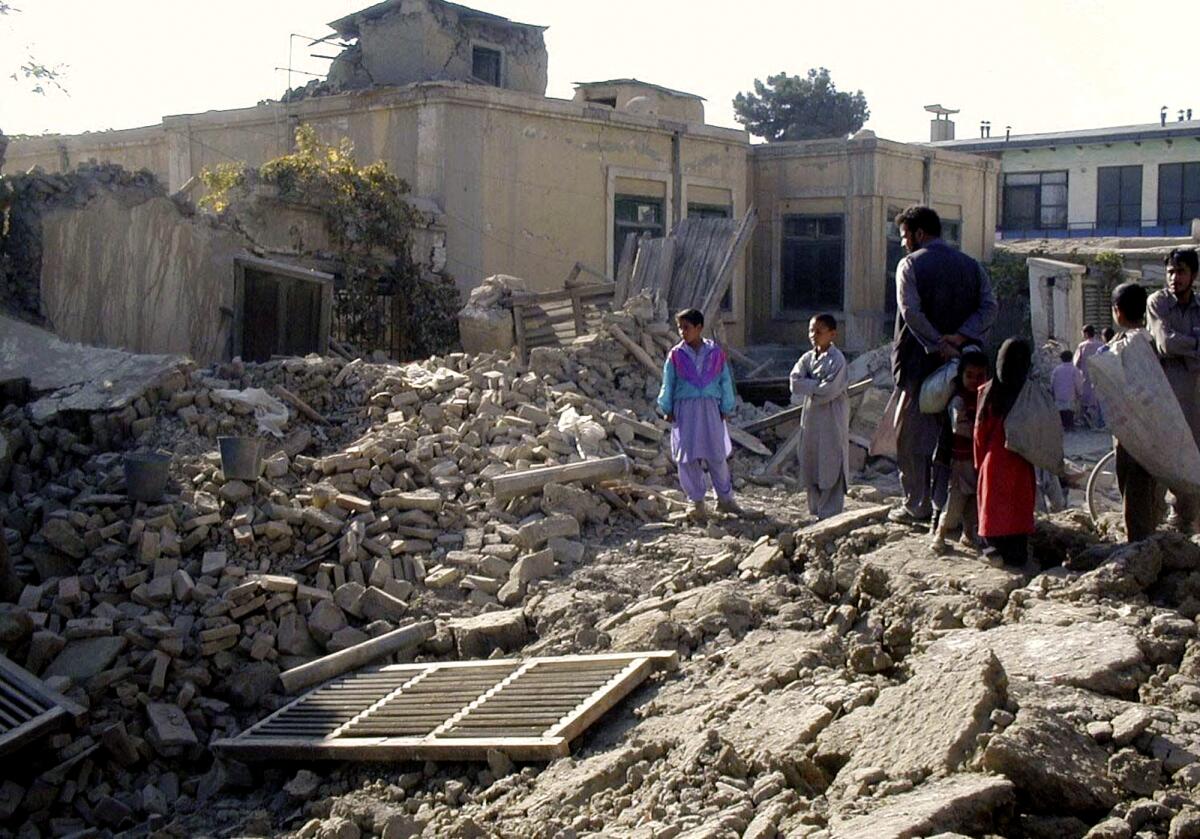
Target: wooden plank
x=793, y=413
x=625, y=269
x=716, y=290
x=602, y=700
x=747, y=440
x=577, y=311
x=517, y=484
x=519, y=327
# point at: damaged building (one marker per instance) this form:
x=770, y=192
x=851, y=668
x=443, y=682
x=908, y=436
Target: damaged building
x=527, y=185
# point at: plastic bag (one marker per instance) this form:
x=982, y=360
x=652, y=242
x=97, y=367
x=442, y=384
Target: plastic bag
x=1141, y=409
x=587, y=432
x=269, y=412
x=1033, y=428
x=938, y=389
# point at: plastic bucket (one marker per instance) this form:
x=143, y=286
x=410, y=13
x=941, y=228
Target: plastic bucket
x=241, y=458
x=146, y=476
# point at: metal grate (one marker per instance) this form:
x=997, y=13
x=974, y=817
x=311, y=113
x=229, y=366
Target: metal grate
x=529, y=709
x=28, y=709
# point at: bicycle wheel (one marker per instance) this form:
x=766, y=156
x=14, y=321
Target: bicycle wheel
x=1103, y=495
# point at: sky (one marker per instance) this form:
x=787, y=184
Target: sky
x=1037, y=65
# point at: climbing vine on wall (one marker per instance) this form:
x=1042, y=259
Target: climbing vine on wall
x=370, y=224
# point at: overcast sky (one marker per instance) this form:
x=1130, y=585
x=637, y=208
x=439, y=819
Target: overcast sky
x=1037, y=65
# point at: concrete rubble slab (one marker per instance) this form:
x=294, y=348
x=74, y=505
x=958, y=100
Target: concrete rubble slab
x=76, y=377
x=927, y=726
x=968, y=803
x=1101, y=656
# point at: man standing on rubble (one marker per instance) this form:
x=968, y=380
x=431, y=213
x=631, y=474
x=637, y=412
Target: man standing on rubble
x=1173, y=319
x=944, y=302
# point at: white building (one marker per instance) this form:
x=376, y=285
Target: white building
x=1133, y=180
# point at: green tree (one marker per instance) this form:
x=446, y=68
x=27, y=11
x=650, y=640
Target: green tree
x=795, y=108
x=32, y=71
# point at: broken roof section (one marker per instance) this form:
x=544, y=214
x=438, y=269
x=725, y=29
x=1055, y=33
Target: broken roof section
x=637, y=83
x=348, y=26
x=76, y=377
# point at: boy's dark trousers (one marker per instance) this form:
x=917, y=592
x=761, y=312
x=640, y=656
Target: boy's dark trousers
x=1141, y=495
x=1068, y=419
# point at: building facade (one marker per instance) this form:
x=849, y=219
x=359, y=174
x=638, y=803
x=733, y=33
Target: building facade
x=529, y=185
x=1127, y=181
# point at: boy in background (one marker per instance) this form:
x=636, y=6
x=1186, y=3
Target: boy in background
x=1066, y=382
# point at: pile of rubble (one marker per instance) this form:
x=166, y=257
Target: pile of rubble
x=376, y=508
x=836, y=680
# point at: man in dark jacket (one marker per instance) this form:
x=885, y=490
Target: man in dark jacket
x=944, y=301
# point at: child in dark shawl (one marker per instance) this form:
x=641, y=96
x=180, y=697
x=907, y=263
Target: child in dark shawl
x=1007, y=484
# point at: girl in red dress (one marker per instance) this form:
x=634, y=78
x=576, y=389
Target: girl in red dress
x=1007, y=485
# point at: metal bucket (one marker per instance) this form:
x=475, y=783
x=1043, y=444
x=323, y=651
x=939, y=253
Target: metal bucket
x=241, y=458
x=146, y=476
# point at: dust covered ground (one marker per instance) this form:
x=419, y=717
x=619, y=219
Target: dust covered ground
x=834, y=680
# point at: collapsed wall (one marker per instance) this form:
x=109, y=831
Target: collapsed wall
x=104, y=256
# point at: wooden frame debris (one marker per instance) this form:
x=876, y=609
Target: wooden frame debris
x=553, y=318
x=29, y=709
x=529, y=709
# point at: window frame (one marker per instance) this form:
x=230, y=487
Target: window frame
x=1121, y=205
x=836, y=302
x=499, y=53
x=622, y=228
x=1040, y=206
x=1182, y=217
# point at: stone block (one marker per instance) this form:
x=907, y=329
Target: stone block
x=325, y=619
x=1055, y=767
x=83, y=659
x=537, y=533
x=477, y=637
x=61, y=536
x=377, y=604
x=534, y=566
x=566, y=551
x=1101, y=656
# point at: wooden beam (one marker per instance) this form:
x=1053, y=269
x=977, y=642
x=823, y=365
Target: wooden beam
x=636, y=350
x=793, y=413
x=300, y=405
x=517, y=484
x=323, y=669
x=747, y=440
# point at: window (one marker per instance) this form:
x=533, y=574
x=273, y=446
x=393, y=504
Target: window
x=1035, y=201
x=1119, y=196
x=951, y=235
x=633, y=214
x=610, y=101
x=811, y=262
x=713, y=211
x=1178, y=192
x=485, y=65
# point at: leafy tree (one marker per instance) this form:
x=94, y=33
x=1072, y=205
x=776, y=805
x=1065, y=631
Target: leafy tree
x=795, y=108
x=40, y=76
